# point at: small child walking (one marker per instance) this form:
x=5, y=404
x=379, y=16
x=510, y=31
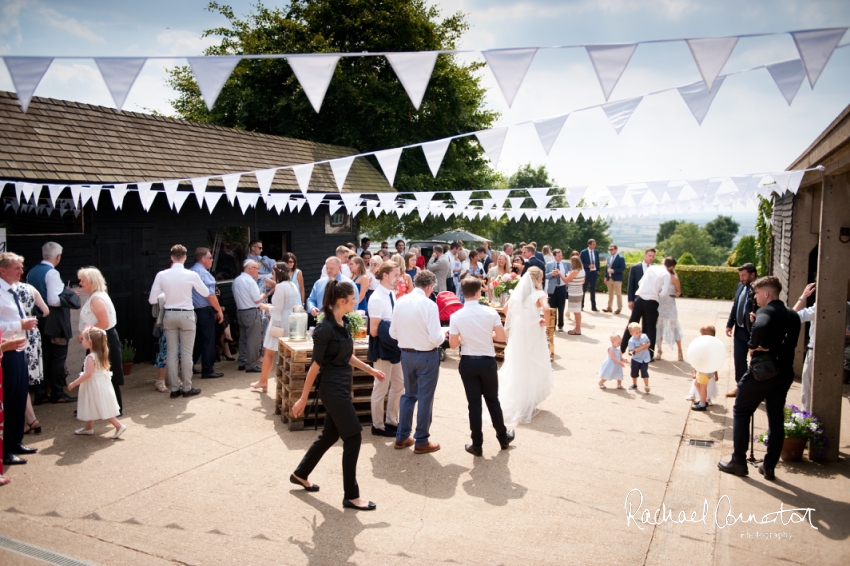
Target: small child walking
x=701, y=380
x=96, y=399
x=612, y=367
x=639, y=349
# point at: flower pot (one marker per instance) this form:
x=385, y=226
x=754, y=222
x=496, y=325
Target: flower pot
x=127, y=367
x=792, y=449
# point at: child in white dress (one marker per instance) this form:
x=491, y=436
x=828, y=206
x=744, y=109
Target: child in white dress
x=612, y=367
x=96, y=399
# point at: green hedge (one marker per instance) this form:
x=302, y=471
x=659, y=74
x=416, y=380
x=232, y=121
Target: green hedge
x=698, y=281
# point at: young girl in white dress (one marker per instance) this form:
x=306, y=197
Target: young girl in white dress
x=96, y=400
x=612, y=367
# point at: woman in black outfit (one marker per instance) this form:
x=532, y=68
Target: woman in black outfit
x=332, y=363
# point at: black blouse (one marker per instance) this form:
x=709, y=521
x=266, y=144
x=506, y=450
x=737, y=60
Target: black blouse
x=332, y=345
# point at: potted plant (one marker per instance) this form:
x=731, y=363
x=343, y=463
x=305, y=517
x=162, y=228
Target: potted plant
x=128, y=354
x=801, y=427
x=356, y=324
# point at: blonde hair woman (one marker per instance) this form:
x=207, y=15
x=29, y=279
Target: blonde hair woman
x=405, y=283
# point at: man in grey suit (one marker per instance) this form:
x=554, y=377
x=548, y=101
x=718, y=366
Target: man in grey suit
x=556, y=273
x=440, y=266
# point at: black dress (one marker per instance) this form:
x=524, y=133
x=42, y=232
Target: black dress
x=332, y=350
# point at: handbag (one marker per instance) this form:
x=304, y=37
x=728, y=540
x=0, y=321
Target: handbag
x=763, y=367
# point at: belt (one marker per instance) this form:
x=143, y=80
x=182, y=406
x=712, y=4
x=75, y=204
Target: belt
x=418, y=351
x=479, y=357
x=202, y=308
x=251, y=309
x=182, y=310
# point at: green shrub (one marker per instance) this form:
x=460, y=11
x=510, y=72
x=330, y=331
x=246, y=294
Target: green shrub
x=745, y=252
x=698, y=281
x=687, y=259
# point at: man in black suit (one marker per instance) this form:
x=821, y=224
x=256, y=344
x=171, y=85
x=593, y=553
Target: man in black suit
x=590, y=260
x=636, y=274
x=739, y=324
x=530, y=259
x=774, y=334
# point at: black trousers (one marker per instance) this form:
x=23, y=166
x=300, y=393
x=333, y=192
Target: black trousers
x=115, y=361
x=645, y=312
x=558, y=300
x=590, y=282
x=741, y=339
x=54, y=367
x=751, y=393
x=15, y=391
x=481, y=379
x=205, y=339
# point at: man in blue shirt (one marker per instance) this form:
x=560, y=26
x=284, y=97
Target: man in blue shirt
x=317, y=295
x=205, y=315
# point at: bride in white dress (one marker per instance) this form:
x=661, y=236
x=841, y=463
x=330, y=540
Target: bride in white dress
x=525, y=379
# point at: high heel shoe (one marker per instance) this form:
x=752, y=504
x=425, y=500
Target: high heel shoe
x=229, y=358
x=256, y=385
x=33, y=429
x=296, y=481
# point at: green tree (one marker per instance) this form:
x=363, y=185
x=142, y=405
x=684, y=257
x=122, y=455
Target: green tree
x=366, y=106
x=722, y=230
x=687, y=259
x=763, y=236
x=665, y=230
x=688, y=237
x=745, y=252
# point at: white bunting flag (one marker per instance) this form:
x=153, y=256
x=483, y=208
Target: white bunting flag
x=180, y=199
x=211, y=199
x=516, y=202
x=609, y=62
x=795, y=180
x=619, y=112
x=340, y=169
x=710, y=54
x=575, y=195
x=147, y=197
x=548, y=131
x=414, y=71
x=119, y=74
x=698, y=98
x=279, y=201
x=247, y=200
x=299, y=203
x=815, y=48
x=539, y=197
x=231, y=185
x=314, y=74
x=499, y=196
x=423, y=198
x=26, y=73
x=95, y=195
x=509, y=66
x=351, y=200
x=788, y=76
x=117, y=193
x=264, y=181
x=333, y=206
x=314, y=200
x=85, y=195
x=711, y=189
x=434, y=152
x=75, y=194
x=54, y=191
x=699, y=186
x=618, y=192
x=170, y=190
x=388, y=160
x=657, y=189
x=742, y=182
x=387, y=201
x=355, y=211
x=674, y=190
x=492, y=141
x=211, y=73
x=783, y=180
x=199, y=185
x=461, y=198
x=36, y=192
x=303, y=173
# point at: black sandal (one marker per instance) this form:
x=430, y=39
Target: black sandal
x=349, y=505
x=36, y=430
x=296, y=481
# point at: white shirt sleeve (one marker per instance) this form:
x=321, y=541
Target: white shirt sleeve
x=807, y=314
x=393, y=329
x=453, y=325
x=156, y=290
x=54, y=287
x=435, y=332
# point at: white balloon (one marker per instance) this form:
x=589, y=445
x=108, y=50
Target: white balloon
x=707, y=354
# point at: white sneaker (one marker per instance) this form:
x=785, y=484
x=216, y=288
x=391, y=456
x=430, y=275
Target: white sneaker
x=690, y=398
x=119, y=432
x=646, y=389
x=84, y=431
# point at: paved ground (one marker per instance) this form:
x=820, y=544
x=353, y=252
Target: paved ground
x=204, y=480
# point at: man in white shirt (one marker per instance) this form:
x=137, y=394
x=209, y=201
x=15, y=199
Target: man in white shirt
x=636, y=274
x=385, y=357
x=556, y=273
x=248, y=316
x=416, y=326
x=473, y=328
x=342, y=254
x=179, y=321
x=807, y=314
x=13, y=325
x=654, y=283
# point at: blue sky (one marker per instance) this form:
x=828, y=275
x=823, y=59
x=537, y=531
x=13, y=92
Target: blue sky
x=749, y=128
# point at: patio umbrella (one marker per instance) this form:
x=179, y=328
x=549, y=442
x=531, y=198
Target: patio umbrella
x=461, y=235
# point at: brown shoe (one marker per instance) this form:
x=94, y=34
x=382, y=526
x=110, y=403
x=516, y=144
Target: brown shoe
x=733, y=393
x=404, y=443
x=606, y=310
x=617, y=311
x=425, y=448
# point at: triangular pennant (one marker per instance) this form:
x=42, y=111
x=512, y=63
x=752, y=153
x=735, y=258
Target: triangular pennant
x=143, y=188
x=314, y=73
x=278, y=201
x=461, y=198
x=609, y=62
x=657, y=189
x=314, y=200
x=340, y=169
x=354, y=211
x=199, y=185
x=710, y=54
x=575, y=195
x=782, y=179
x=75, y=194
x=788, y=76
x=698, y=186
x=333, y=206
x=264, y=181
x=53, y=190
x=388, y=160
x=711, y=189
x=119, y=74
x=548, y=130
x=299, y=203
x=387, y=201
x=795, y=180
x=815, y=48
x=211, y=199
x=414, y=71
x=211, y=73
x=147, y=197
x=539, y=197
x=492, y=141
x=95, y=195
x=698, y=98
x=619, y=112
x=26, y=73
x=618, y=192
x=350, y=200
x=302, y=175
x=673, y=191
x=170, y=190
x=499, y=196
x=509, y=66
x=247, y=200
x=516, y=202
x=118, y=192
x=179, y=199
x=231, y=185
x=742, y=182
x=85, y=195
x=435, y=151
x=36, y=192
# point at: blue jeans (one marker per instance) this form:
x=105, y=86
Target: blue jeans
x=421, y=370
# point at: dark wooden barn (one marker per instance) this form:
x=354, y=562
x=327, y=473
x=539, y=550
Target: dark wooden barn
x=66, y=143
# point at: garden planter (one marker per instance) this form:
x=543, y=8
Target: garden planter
x=127, y=367
x=792, y=449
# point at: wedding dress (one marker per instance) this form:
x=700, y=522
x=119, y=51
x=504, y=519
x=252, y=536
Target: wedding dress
x=525, y=379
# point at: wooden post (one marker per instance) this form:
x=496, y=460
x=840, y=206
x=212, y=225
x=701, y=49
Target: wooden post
x=833, y=274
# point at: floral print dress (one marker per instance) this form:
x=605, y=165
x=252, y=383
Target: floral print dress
x=26, y=295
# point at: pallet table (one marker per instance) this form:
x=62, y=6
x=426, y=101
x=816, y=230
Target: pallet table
x=550, y=333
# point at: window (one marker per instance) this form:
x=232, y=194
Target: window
x=338, y=223
x=229, y=249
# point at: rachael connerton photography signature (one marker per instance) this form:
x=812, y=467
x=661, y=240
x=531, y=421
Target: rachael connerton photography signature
x=723, y=514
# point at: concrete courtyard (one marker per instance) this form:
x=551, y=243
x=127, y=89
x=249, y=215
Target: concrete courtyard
x=204, y=480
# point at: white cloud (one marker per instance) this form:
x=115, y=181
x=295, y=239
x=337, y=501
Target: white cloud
x=183, y=42
x=56, y=19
